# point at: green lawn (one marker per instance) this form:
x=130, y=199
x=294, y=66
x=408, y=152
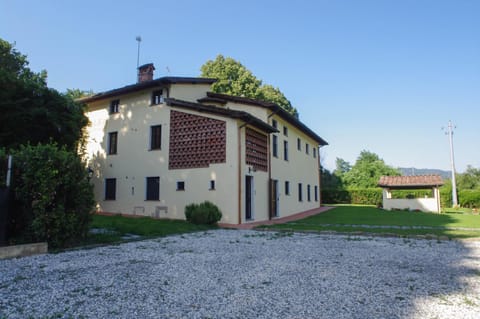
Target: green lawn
x=364, y=219
x=118, y=227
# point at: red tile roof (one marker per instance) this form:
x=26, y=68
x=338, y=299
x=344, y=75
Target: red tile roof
x=416, y=181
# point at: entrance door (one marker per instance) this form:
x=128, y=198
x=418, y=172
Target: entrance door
x=274, y=197
x=248, y=197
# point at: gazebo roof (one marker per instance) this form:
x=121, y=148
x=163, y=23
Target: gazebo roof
x=410, y=182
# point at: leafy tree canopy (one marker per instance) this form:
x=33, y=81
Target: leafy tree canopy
x=470, y=179
x=236, y=79
x=367, y=171
x=30, y=111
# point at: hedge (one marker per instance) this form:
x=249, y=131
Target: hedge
x=373, y=196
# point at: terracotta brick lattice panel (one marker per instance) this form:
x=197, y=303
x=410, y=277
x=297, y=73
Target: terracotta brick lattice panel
x=256, y=144
x=196, y=141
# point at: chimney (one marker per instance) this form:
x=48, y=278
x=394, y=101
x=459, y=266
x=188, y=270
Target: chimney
x=145, y=72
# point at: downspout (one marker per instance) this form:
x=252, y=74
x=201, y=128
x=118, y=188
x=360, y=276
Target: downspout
x=270, y=171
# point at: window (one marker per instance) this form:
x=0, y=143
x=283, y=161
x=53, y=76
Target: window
x=157, y=97
x=156, y=137
x=212, y=185
x=300, y=195
x=114, y=106
x=275, y=146
x=307, y=148
x=314, y=152
x=287, y=188
x=112, y=143
x=274, y=123
x=153, y=188
x=285, y=150
x=110, y=188
x=308, y=193
x=299, y=144
x=285, y=131
x=316, y=193
x=180, y=186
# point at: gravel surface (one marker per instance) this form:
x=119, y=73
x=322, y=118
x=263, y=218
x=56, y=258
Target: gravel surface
x=249, y=274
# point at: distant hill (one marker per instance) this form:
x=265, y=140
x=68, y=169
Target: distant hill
x=408, y=171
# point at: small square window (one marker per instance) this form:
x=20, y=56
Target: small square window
x=307, y=148
x=114, y=106
x=157, y=97
x=180, y=186
x=299, y=144
x=285, y=131
x=212, y=185
x=274, y=123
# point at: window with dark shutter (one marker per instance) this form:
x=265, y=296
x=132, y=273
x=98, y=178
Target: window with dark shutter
x=157, y=97
x=110, y=188
x=153, y=188
x=156, y=137
x=112, y=143
x=114, y=106
x=275, y=145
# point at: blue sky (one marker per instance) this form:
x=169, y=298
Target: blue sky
x=379, y=75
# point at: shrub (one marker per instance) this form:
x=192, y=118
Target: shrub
x=364, y=196
x=203, y=213
x=53, y=195
x=469, y=198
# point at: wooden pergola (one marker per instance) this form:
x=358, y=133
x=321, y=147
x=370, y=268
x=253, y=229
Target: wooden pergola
x=430, y=204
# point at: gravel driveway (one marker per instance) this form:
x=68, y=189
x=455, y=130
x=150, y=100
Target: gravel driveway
x=248, y=274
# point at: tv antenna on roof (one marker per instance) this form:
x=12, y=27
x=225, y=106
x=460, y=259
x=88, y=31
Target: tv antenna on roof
x=139, y=39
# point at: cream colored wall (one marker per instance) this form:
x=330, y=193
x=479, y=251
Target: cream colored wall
x=429, y=204
x=189, y=92
x=260, y=196
x=300, y=168
x=134, y=162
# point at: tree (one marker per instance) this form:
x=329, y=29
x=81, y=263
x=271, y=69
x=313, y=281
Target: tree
x=236, y=79
x=54, y=196
x=367, y=171
x=30, y=111
x=470, y=179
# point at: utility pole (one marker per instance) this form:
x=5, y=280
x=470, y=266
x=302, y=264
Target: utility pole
x=452, y=162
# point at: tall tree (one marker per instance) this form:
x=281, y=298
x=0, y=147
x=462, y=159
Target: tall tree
x=470, y=179
x=236, y=79
x=30, y=111
x=366, y=171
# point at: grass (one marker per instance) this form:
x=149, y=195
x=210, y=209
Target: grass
x=342, y=218
x=119, y=227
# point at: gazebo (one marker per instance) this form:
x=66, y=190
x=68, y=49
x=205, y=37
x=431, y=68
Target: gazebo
x=428, y=204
